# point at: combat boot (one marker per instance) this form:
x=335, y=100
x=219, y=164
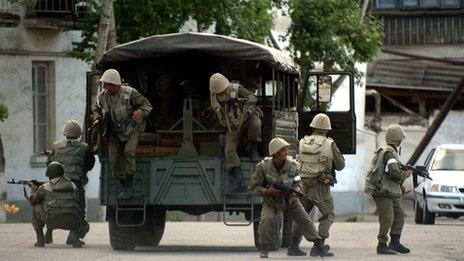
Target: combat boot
x=315, y=251
x=73, y=240
x=395, y=245
x=294, y=249
x=319, y=249
x=48, y=236
x=264, y=251
x=253, y=151
x=72, y=237
x=236, y=174
x=382, y=249
x=127, y=191
x=40, y=238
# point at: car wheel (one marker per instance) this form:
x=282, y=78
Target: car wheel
x=428, y=217
x=419, y=215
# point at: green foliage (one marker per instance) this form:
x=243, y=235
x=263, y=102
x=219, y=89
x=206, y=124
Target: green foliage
x=23, y=2
x=251, y=20
x=3, y=112
x=331, y=32
x=84, y=49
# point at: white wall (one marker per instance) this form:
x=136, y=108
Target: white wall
x=19, y=47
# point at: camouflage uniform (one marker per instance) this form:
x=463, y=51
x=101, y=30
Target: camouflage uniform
x=383, y=182
x=238, y=121
x=56, y=204
x=77, y=160
x=123, y=131
x=288, y=174
x=318, y=154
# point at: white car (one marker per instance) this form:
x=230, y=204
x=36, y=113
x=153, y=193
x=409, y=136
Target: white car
x=444, y=194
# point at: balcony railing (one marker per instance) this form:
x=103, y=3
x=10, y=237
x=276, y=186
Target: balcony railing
x=71, y=9
x=7, y=8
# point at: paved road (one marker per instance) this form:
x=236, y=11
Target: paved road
x=215, y=241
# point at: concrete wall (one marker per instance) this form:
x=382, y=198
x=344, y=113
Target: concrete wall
x=19, y=47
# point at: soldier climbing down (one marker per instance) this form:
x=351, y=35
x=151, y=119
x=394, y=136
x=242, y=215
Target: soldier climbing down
x=122, y=110
x=235, y=109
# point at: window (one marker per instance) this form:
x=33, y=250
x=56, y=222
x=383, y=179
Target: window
x=449, y=159
x=430, y=3
x=43, y=105
x=450, y=3
x=410, y=3
x=385, y=4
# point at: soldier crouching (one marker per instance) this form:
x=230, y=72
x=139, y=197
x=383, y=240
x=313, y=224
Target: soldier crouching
x=56, y=204
x=281, y=168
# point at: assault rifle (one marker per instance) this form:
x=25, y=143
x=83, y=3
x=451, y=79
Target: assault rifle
x=25, y=183
x=415, y=171
x=288, y=191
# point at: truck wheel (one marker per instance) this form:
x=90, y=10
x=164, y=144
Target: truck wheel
x=428, y=217
x=286, y=232
x=122, y=238
x=276, y=232
x=152, y=231
x=418, y=217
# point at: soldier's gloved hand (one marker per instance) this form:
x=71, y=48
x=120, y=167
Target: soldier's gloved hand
x=408, y=173
x=96, y=118
x=137, y=115
x=272, y=192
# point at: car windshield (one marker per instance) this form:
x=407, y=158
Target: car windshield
x=449, y=159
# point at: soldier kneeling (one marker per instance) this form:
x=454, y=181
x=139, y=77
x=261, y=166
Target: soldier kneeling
x=56, y=204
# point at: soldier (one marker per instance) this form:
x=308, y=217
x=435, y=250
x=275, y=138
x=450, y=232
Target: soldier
x=236, y=111
x=318, y=155
x=76, y=159
x=384, y=182
x=56, y=204
x=122, y=109
x=280, y=168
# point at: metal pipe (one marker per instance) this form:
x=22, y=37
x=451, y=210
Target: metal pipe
x=375, y=123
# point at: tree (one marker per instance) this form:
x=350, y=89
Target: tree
x=133, y=19
x=332, y=32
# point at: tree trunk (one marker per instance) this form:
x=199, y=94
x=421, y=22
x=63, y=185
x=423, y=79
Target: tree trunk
x=102, y=31
x=112, y=37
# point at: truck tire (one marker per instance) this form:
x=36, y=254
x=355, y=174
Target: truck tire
x=418, y=217
x=428, y=217
x=152, y=231
x=122, y=238
x=286, y=231
x=276, y=232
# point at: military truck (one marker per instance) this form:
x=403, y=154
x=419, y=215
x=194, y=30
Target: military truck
x=180, y=157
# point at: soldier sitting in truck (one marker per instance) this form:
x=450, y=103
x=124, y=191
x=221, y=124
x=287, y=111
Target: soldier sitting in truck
x=236, y=111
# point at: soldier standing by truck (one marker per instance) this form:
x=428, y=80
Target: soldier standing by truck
x=318, y=155
x=383, y=182
x=77, y=159
x=56, y=204
x=122, y=110
x=280, y=168
x=235, y=109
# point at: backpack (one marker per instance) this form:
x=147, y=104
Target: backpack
x=375, y=172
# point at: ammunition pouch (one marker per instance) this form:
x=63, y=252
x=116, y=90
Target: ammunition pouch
x=118, y=126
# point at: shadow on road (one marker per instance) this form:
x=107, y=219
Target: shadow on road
x=190, y=249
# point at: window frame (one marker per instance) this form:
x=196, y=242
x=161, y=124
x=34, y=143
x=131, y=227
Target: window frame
x=49, y=94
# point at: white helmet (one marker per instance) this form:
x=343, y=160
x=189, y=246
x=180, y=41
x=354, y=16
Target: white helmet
x=321, y=121
x=277, y=144
x=111, y=76
x=218, y=83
